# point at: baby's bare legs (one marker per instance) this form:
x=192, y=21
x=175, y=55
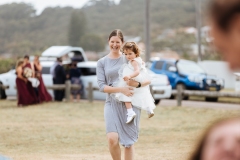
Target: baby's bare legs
x=130, y=113
x=128, y=105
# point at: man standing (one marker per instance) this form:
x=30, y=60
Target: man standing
x=59, y=78
x=52, y=72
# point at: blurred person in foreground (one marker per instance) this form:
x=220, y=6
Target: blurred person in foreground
x=4, y=158
x=75, y=77
x=43, y=94
x=221, y=141
x=59, y=78
x=224, y=18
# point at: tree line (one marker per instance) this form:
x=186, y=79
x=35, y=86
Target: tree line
x=22, y=31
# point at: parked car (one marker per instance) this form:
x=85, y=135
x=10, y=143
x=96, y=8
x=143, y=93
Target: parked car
x=159, y=83
x=67, y=53
x=187, y=74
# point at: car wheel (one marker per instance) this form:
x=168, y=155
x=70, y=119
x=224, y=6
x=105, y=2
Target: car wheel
x=183, y=87
x=172, y=97
x=211, y=99
x=2, y=93
x=157, y=101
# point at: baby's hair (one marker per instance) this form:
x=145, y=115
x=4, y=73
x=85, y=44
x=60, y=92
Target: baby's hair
x=133, y=47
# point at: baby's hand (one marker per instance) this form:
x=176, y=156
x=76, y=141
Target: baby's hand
x=126, y=78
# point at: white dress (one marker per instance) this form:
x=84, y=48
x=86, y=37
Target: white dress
x=142, y=97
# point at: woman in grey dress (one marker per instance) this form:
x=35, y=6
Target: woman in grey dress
x=114, y=111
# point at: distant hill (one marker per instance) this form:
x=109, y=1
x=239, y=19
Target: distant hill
x=129, y=15
x=24, y=32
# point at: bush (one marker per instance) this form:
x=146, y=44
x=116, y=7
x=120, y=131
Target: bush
x=6, y=65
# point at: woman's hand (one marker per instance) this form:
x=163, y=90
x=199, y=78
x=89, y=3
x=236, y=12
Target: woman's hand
x=126, y=78
x=128, y=91
x=132, y=83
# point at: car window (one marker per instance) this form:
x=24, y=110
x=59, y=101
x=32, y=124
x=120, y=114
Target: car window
x=189, y=67
x=159, y=65
x=88, y=71
x=168, y=65
x=45, y=70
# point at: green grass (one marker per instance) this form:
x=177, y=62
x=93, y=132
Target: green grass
x=59, y=131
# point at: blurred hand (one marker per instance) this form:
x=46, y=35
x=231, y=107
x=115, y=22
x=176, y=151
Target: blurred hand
x=132, y=83
x=126, y=78
x=128, y=91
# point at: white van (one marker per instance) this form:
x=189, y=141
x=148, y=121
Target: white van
x=67, y=53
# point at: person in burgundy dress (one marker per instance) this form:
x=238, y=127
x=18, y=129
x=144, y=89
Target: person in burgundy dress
x=43, y=94
x=26, y=94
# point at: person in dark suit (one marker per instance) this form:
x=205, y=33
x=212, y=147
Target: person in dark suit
x=60, y=78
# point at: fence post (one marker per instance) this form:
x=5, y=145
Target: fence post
x=1, y=91
x=90, y=92
x=67, y=90
x=179, y=95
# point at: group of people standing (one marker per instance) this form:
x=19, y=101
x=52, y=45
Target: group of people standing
x=60, y=75
x=29, y=72
x=27, y=94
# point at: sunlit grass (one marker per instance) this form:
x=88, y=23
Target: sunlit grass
x=54, y=131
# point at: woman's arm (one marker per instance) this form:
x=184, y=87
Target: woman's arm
x=103, y=87
x=128, y=91
x=134, y=83
x=38, y=66
x=135, y=73
x=19, y=74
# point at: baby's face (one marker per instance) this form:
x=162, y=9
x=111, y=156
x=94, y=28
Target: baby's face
x=130, y=55
x=223, y=142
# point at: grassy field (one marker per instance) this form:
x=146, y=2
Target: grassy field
x=221, y=99
x=75, y=131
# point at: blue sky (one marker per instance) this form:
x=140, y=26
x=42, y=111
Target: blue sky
x=39, y=5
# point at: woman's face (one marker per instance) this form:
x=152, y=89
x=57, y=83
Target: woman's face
x=26, y=60
x=228, y=43
x=36, y=58
x=22, y=64
x=223, y=142
x=115, y=44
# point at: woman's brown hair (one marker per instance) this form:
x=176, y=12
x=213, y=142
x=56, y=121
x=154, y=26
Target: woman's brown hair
x=197, y=153
x=117, y=32
x=223, y=12
x=19, y=62
x=133, y=47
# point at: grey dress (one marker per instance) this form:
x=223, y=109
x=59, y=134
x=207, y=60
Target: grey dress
x=115, y=112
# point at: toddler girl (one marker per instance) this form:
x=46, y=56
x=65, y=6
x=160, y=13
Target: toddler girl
x=135, y=69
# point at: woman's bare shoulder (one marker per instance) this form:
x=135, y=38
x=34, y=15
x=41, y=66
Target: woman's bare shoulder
x=19, y=68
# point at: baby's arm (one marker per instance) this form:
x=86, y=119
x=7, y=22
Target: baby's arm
x=135, y=73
